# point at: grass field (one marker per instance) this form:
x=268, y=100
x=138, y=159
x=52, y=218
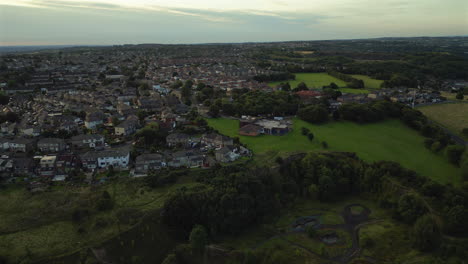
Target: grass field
x=388, y=140
x=354, y=91
x=369, y=83
x=452, y=116
x=313, y=80
x=318, y=80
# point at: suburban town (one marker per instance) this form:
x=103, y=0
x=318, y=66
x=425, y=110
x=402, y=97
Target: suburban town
x=285, y=152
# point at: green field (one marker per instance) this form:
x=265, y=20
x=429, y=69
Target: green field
x=369, y=83
x=354, y=91
x=318, y=80
x=313, y=80
x=387, y=140
x=452, y=116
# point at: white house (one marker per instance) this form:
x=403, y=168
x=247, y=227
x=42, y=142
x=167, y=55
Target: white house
x=118, y=158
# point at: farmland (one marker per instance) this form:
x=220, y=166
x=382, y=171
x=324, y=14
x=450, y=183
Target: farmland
x=452, y=116
x=387, y=140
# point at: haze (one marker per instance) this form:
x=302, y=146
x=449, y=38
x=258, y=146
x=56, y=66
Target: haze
x=63, y=22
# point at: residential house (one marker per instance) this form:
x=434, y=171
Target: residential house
x=88, y=141
x=214, y=140
x=51, y=145
x=147, y=162
x=226, y=154
x=186, y=158
x=118, y=158
x=23, y=166
x=17, y=144
x=47, y=166
x=176, y=139
x=93, y=119
x=126, y=128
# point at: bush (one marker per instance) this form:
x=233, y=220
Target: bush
x=305, y=131
x=324, y=144
x=310, y=136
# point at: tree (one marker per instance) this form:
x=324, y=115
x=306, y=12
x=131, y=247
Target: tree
x=465, y=132
x=333, y=85
x=214, y=110
x=460, y=95
x=313, y=191
x=426, y=234
x=311, y=232
x=410, y=207
x=301, y=86
x=310, y=136
x=454, y=153
x=305, y=131
x=313, y=113
x=198, y=238
x=457, y=217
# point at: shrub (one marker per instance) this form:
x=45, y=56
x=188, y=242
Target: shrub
x=304, y=131
x=310, y=136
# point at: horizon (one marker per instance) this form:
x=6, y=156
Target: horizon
x=221, y=43
x=119, y=22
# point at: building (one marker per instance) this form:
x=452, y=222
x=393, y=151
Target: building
x=126, y=128
x=51, y=145
x=253, y=127
x=189, y=159
x=47, y=166
x=88, y=141
x=176, y=139
x=94, y=119
x=250, y=130
x=226, y=154
x=148, y=162
x=17, y=144
x=118, y=158
x=214, y=140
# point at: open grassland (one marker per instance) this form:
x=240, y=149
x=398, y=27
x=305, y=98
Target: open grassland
x=388, y=140
x=369, y=82
x=312, y=80
x=452, y=116
x=38, y=226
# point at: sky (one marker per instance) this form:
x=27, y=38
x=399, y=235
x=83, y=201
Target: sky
x=114, y=22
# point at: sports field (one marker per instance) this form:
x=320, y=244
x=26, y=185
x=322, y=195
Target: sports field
x=387, y=140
